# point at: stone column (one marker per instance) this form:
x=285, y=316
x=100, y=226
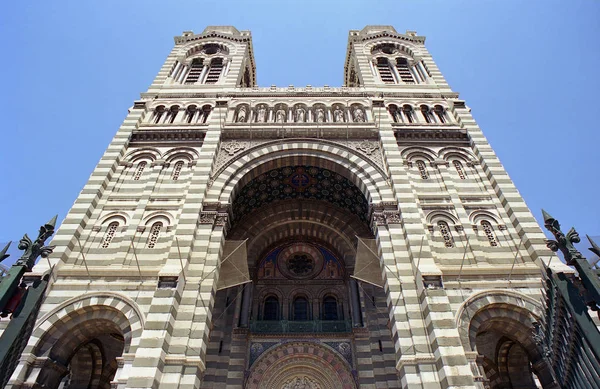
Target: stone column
x=355, y=304
x=202, y=75
x=246, y=303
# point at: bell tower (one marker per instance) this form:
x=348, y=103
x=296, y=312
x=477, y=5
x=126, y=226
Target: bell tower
x=379, y=56
x=219, y=57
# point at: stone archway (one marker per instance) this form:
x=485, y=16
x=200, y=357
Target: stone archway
x=498, y=326
x=302, y=365
x=76, y=345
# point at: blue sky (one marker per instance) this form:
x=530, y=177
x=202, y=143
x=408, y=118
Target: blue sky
x=528, y=69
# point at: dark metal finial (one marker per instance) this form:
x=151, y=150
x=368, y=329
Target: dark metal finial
x=52, y=221
x=34, y=249
x=546, y=216
x=595, y=248
x=3, y=254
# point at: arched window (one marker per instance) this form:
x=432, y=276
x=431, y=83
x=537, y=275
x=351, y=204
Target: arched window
x=394, y=112
x=300, y=309
x=408, y=113
x=177, y=170
x=110, y=234
x=172, y=114
x=488, y=230
x=404, y=71
x=190, y=113
x=214, y=71
x=139, y=170
x=422, y=169
x=195, y=71
x=154, y=234
x=158, y=114
x=459, y=169
x=426, y=114
x=446, y=234
x=330, y=308
x=440, y=113
x=385, y=72
x=205, y=113
x=271, y=308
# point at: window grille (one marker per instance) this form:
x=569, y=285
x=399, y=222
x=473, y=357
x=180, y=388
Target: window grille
x=422, y=170
x=110, y=234
x=154, y=234
x=177, y=171
x=300, y=309
x=330, y=311
x=489, y=233
x=459, y=169
x=195, y=71
x=140, y=169
x=271, y=308
x=404, y=71
x=385, y=72
x=446, y=234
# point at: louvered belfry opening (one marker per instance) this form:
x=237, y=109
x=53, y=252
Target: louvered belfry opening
x=216, y=67
x=404, y=72
x=195, y=71
x=384, y=71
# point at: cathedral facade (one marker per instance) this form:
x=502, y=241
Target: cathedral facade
x=236, y=236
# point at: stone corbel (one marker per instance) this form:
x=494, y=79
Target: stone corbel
x=430, y=228
x=473, y=163
x=191, y=164
x=140, y=229
x=96, y=228
x=440, y=162
x=475, y=228
x=502, y=227
x=158, y=162
x=458, y=228
x=125, y=164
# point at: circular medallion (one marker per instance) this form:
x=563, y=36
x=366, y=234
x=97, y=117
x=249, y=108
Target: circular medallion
x=300, y=261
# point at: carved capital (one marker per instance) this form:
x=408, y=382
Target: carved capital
x=207, y=217
x=393, y=217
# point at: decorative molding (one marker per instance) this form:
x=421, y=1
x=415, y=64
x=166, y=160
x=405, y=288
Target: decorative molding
x=455, y=136
x=189, y=136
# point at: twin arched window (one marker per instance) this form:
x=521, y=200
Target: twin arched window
x=397, y=73
x=199, y=73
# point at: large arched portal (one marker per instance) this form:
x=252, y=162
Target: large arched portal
x=301, y=219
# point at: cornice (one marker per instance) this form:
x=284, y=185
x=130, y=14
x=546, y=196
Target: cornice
x=191, y=136
x=408, y=135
